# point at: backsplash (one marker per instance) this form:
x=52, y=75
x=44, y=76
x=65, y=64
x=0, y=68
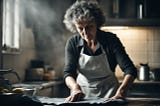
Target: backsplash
x=141, y=43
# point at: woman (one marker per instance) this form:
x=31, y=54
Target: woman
x=92, y=55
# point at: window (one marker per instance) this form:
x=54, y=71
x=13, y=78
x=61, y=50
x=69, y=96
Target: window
x=11, y=25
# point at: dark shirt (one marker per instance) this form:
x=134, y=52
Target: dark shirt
x=111, y=44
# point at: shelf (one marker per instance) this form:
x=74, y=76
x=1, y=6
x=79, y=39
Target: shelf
x=132, y=22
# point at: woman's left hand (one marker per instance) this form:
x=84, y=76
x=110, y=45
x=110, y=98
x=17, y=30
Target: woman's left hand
x=122, y=90
x=114, y=98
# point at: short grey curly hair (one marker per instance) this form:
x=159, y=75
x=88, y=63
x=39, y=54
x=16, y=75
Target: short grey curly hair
x=82, y=10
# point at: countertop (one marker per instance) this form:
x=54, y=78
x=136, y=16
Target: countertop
x=43, y=88
x=37, y=84
x=130, y=101
x=21, y=100
x=98, y=102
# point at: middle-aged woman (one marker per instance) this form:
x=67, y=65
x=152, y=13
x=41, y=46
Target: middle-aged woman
x=91, y=56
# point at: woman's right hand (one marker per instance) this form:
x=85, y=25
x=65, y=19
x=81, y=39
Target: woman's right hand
x=76, y=95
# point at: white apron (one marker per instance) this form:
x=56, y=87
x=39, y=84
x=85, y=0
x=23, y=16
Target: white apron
x=95, y=76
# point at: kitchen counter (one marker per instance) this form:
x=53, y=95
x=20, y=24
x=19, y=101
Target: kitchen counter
x=147, y=89
x=37, y=84
x=98, y=102
x=132, y=100
x=43, y=88
x=143, y=102
x=20, y=100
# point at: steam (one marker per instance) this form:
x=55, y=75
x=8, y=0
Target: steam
x=45, y=18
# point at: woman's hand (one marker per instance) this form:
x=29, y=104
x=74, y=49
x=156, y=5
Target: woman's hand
x=76, y=92
x=76, y=95
x=114, y=98
x=123, y=89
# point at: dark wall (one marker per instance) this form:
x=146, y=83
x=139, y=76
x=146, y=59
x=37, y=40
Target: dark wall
x=45, y=18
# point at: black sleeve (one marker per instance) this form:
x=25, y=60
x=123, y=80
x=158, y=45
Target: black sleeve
x=71, y=56
x=122, y=57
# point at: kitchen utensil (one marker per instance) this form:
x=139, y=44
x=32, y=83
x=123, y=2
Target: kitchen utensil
x=34, y=74
x=50, y=75
x=144, y=73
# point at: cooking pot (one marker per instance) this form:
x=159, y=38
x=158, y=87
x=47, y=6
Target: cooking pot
x=34, y=74
x=144, y=72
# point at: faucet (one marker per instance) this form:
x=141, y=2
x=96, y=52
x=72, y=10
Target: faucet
x=5, y=82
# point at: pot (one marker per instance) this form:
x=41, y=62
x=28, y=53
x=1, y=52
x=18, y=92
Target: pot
x=144, y=72
x=34, y=74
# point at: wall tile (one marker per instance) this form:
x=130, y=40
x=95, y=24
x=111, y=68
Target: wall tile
x=141, y=43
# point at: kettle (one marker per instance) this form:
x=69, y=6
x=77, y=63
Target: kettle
x=144, y=74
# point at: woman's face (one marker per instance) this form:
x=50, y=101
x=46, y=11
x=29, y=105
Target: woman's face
x=87, y=30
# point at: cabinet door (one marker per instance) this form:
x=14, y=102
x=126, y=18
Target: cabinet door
x=152, y=9
x=131, y=12
x=118, y=8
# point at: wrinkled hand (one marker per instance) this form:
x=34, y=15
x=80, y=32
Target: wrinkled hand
x=76, y=95
x=114, y=98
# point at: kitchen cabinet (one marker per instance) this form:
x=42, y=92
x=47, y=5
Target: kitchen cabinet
x=145, y=89
x=131, y=12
